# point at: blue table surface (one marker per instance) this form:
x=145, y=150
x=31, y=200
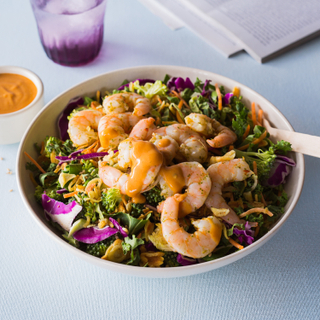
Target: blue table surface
x=41, y=280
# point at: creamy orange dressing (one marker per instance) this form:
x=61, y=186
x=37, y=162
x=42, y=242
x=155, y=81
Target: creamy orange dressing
x=106, y=136
x=184, y=209
x=164, y=143
x=215, y=231
x=174, y=178
x=145, y=156
x=16, y=92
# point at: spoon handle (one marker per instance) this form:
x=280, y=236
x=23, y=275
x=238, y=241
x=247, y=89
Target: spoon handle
x=301, y=142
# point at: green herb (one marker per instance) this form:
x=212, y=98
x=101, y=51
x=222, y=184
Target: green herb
x=136, y=210
x=264, y=159
x=59, y=147
x=87, y=101
x=134, y=225
x=218, y=253
x=153, y=196
x=241, y=121
x=99, y=249
x=170, y=259
x=111, y=199
x=132, y=245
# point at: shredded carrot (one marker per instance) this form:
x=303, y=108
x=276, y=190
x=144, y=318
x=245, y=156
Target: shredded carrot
x=42, y=147
x=255, y=170
x=246, y=133
x=219, y=97
x=178, y=96
x=263, y=143
x=159, y=99
x=98, y=95
x=124, y=199
x=69, y=195
x=263, y=200
x=256, y=231
x=253, y=112
x=95, y=149
x=231, y=147
x=258, y=140
x=260, y=115
x=34, y=162
x=180, y=120
x=265, y=211
x=32, y=179
x=178, y=115
x=82, y=146
x=236, y=244
x=88, y=150
x=93, y=105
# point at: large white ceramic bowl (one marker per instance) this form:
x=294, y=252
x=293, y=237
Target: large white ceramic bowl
x=46, y=124
x=14, y=124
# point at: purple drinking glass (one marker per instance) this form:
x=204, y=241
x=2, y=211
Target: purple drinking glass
x=71, y=31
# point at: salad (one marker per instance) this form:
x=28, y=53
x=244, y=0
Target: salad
x=161, y=173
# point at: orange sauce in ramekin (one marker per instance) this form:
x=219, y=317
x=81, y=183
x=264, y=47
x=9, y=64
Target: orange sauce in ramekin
x=16, y=92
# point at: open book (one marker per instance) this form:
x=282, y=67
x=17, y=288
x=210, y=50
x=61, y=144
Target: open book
x=262, y=28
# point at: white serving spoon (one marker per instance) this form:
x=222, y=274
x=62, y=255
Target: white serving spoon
x=300, y=142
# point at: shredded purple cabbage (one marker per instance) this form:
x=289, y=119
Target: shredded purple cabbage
x=151, y=207
x=75, y=153
x=150, y=246
x=287, y=160
x=94, y=234
x=185, y=261
x=61, y=191
x=83, y=156
x=226, y=98
x=118, y=227
x=61, y=213
x=179, y=84
x=63, y=118
x=204, y=91
x=142, y=82
x=207, y=93
x=245, y=235
x=281, y=169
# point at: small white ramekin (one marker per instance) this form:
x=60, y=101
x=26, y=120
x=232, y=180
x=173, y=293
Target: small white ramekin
x=14, y=124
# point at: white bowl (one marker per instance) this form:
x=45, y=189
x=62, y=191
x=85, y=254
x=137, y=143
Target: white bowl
x=45, y=124
x=14, y=124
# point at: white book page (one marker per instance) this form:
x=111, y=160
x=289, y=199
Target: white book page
x=169, y=18
x=212, y=35
x=262, y=27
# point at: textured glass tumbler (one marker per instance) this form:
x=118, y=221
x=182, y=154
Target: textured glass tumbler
x=71, y=31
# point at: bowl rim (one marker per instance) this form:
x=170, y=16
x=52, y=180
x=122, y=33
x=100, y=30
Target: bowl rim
x=175, y=271
x=32, y=77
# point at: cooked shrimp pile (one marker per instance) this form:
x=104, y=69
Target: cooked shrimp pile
x=162, y=172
